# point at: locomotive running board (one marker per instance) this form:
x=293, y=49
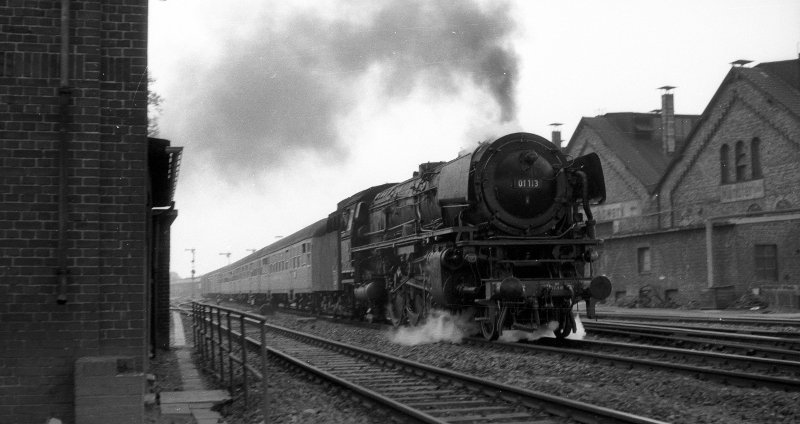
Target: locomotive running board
x=404, y=241
x=407, y=240
x=528, y=242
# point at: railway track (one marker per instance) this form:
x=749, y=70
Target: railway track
x=745, y=344
x=740, y=369
x=730, y=328
x=423, y=393
x=754, y=321
x=736, y=370
x=429, y=394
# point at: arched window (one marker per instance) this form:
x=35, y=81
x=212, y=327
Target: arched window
x=783, y=204
x=724, y=165
x=741, y=161
x=754, y=208
x=755, y=157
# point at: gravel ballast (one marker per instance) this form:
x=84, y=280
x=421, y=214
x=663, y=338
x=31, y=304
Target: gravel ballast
x=655, y=394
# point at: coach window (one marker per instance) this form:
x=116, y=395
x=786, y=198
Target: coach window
x=724, y=165
x=755, y=157
x=643, y=255
x=741, y=161
x=766, y=261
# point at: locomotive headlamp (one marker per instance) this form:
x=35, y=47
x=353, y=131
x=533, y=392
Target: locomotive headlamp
x=600, y=287
x=529, y=158
x=590, y=255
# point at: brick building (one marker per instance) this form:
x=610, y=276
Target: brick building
x=716, y=216
x=85, y=212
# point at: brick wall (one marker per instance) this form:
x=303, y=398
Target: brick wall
x=40, y=340
x=107, y=391
x=740, y=112
x=745, y=115
x=621, y=186
x=785, y=235
x=677, y=263
x=694, y=191
x=692, y=194
x=160, y=281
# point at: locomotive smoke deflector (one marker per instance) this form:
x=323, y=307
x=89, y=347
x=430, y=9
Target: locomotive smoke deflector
x=596, y=187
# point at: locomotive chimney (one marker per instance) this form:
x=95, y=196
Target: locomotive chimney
x=667, y=120
x=556, y=135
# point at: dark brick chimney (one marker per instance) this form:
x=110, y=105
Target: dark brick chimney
x=556, y=134
x=667, y=120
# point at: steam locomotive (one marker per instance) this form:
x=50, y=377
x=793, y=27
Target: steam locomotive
x=504, y=233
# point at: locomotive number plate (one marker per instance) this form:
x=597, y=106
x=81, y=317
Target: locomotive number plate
x=526, y=183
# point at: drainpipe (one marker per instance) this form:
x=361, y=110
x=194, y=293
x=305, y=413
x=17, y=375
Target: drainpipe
x=64, y=93
x=709, y=253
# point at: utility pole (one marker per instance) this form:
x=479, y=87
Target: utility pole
x=227, y=255
x=192, y=250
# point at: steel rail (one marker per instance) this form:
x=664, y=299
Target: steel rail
x=669, y=317
x=579, y=411
x=358, y=389
x=792, y=335
x=732, y=377
x=790, y=344
x=782, y=366
x=704, y=344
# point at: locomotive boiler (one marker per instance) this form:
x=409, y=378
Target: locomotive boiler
x=504, y=232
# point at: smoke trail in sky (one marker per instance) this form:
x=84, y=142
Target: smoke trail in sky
x=276, y=96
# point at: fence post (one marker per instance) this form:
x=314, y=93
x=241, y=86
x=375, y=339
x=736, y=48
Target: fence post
x=194, y=325
x=230, y=352
x=202, y=339
x=213, y=342
x=220, y=347
x=244, y=357
x=203, y=322
x=265, y=400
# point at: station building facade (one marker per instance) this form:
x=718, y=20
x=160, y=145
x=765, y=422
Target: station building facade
x=85, y=210
x=710, y=213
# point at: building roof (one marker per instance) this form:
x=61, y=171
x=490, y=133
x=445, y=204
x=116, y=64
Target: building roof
x=778, y=81
x=163, y=165
x=635, y=138
x=787, y=70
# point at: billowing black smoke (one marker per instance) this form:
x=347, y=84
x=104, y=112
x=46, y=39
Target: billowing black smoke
x=278, y=95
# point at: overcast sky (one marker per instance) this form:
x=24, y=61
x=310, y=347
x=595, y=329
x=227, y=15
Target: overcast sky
x=286, y=107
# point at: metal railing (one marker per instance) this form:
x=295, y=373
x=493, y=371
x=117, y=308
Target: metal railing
x=220, y=338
